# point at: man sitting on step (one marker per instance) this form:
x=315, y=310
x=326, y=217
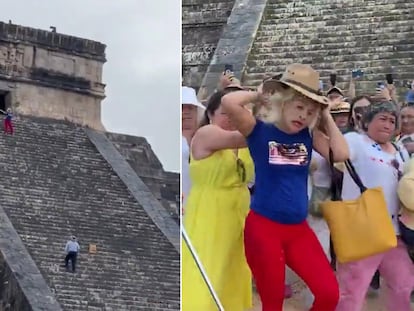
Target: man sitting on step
x=72, y=248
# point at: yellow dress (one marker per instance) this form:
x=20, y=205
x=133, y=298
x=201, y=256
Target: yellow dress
x=214, y=218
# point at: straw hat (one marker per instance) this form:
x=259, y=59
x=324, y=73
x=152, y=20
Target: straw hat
x=335, y=89
x=303, y=79
x=341, y=107
x=189, y=97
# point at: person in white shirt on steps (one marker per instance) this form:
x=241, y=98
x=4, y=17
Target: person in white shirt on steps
x=72, y=248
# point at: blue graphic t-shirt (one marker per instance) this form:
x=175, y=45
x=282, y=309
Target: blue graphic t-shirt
x=281, y=168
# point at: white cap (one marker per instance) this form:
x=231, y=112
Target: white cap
x=189, y=97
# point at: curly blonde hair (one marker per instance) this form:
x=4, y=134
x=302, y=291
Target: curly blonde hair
x=273, y=113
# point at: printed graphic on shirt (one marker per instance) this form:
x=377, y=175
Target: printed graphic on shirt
x=290, y=154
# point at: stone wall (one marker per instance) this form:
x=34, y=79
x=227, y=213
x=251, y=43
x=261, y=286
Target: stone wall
x=52, y=40
x=165, y=186
x=52, y=75
x=236, y=41
x=341, y=35
x=35, y=100
x=202, y=25
x=11, y=295
x=83, y=186
x=22, y=286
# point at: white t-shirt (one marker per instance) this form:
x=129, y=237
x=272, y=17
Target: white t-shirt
x=375, y=170
x=321, y=177
x=185, y=169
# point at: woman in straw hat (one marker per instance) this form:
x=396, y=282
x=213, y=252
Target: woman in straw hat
x=215, y=211
x=276, y=232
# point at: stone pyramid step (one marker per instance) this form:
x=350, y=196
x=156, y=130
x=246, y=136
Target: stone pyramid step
x=376, y=36
x=57, y=185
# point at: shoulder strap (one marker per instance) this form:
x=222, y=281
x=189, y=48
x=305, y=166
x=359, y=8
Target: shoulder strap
x=335, y=190
x=354, y=175
x=399, y=151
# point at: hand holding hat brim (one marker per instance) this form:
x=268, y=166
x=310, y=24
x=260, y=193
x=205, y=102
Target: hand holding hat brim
x=301, y=78
x=272, y=86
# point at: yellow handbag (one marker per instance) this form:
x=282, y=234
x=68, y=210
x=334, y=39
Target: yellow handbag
x=359, y=228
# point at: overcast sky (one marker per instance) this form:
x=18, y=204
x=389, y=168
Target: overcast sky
x=143, y=52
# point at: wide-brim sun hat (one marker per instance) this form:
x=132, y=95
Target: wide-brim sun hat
x=303, y=79
x=189, y=97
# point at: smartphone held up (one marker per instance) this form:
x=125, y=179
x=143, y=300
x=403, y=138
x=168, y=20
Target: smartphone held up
x=357, y=73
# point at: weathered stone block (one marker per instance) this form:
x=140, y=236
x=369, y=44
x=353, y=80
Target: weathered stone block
x=59, y=185
x=52, y=75
x=203, y=23
x=335, y=36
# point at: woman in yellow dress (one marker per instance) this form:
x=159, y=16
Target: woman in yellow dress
x=214, y=215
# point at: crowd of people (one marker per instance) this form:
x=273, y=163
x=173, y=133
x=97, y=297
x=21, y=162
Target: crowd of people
x=257, y=166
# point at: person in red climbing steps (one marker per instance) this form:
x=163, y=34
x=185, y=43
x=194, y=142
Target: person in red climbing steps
x=8, y=125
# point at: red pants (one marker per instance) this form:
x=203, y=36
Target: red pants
x=270, y=245
x=8, y=126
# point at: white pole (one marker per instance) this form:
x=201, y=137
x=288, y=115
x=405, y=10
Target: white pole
x=200, y=267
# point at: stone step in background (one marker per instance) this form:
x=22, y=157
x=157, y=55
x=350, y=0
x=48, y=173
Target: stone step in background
x=202, y=25
x=165, y=186
x=55, y=184
x=376, y=36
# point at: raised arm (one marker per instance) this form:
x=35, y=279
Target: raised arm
x=234, y=105
x=333, y=139
x=211, y=138
x=351, y=90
